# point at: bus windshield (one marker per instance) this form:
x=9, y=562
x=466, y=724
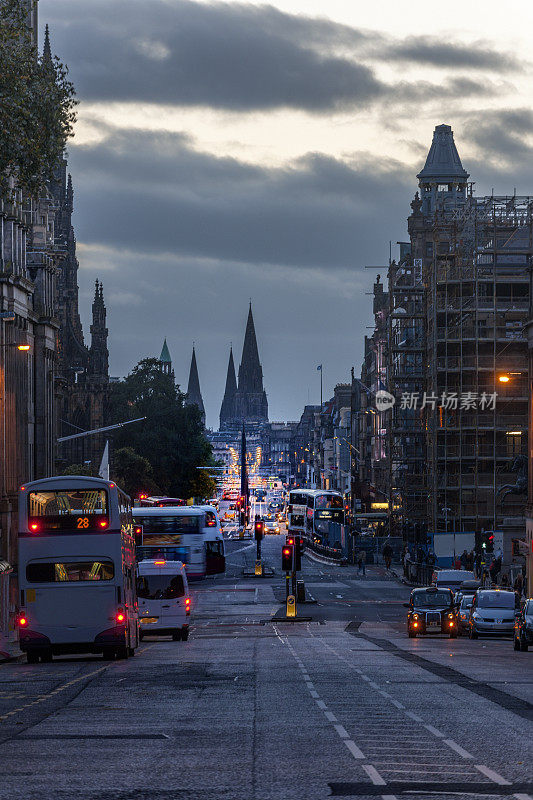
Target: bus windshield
x=76, y=509
x=298, y=499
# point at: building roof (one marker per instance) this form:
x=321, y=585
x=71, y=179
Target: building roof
x=165, y=354
x=443, y=162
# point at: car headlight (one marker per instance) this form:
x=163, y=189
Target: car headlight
x=475, y=615
x=415, y=616
x=450, y=616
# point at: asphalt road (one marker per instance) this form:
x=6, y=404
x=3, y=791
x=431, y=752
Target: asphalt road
x=252, y=708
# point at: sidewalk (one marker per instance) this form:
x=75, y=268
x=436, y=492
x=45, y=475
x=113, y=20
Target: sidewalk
x=9, y=650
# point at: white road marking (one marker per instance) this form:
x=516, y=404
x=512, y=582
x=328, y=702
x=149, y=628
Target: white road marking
x=330, y=716
x=434, y=731
x=343, y=733
x=309, y=685
x=414, y=717
x=354, y=750
x=374, y=775
x=493, y=776
x=314, y=694
x=321, y=705
x=458, y=749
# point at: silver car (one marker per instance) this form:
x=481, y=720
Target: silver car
x=492, y=613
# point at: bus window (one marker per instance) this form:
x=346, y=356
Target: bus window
x=69, y=571
x=210, y=520
x=175, y=523
x=74, y=509
x=328, y=501
x=160, y=587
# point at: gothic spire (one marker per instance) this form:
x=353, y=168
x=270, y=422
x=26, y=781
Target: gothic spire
x=165, y=359
x=250, y=372
x=47, y=50
x=70, y=194
x=194, y=395
x=99, y=354
x=227, y=410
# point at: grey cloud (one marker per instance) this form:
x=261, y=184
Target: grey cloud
x=240, y=57
x=229, y=56
x=437, y=53
x=315, y=213
x=502, y=136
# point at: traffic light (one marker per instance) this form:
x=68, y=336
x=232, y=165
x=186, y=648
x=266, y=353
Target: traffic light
x=287, y=558
x=298, y=553
x=138, y=532
x=259, y=529
x=487, y=541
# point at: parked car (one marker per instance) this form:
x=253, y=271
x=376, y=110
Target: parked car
x=492, y=613
x=523, y=627
x=431, y=610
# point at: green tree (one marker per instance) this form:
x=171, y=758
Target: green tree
x=133, y=472
x=36, y=105
x=81, y=469
x=171, y=438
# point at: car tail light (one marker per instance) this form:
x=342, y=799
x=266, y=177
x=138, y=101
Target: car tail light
x=121, y=616
x=415, y=624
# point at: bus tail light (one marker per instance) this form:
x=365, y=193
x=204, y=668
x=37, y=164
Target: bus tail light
x=22, y=621
x=160, y=563
x=187, y=605
x=34, y=526
x=103, y=523
x=121, y=616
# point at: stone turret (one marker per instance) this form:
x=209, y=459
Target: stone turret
x=443, y=180
x=165, y=360
x=99, y=354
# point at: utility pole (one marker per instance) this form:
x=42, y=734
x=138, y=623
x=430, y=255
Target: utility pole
x=245, y=494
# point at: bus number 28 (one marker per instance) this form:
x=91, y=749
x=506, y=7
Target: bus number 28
x=83, y=522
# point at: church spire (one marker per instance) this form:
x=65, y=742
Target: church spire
x=250, y=372
x=194, y=395
x=99, y=354
x=47, y=50
x=165, y=359
x=227, y=410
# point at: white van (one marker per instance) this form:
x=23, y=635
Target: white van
x=451, y=578
x=164, y=600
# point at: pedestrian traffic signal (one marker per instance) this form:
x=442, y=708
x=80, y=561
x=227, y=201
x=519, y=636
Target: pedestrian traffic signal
x=259, y=529
x=287, y=558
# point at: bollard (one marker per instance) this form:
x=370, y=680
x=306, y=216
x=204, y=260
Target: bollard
x=258, y=568
x=291, y=606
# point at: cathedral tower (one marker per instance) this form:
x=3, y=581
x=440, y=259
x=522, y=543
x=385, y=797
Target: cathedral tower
x=194, y=395
x=251, y=404
x=227, y=410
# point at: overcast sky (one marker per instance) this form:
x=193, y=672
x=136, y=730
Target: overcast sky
x=228, y=151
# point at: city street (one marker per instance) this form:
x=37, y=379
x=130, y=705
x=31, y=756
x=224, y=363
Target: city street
x=342, y=706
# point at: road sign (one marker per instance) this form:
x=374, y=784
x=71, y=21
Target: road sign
x=7, y=316
x=291, y=606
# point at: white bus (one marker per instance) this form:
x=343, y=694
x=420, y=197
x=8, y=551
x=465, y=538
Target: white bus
x=297, y=511
x=76, y=569
x=325, y=518
x=191, y=534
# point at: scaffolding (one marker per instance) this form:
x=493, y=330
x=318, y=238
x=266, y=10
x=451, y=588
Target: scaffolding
x=476, y=305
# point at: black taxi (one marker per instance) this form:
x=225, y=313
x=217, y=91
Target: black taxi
x=431, y=610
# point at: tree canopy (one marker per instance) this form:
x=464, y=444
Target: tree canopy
x=36, y=105
x=171, y=438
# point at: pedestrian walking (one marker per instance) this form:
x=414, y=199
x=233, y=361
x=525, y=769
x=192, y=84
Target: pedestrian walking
x=464, y=559
x=518, y=585
x=387, y=555
x=361, y=562
x=406, y=562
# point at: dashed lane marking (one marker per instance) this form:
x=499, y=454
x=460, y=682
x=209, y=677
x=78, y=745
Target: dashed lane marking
x=354, y=750
x=493, y=776
x=374, y=775
x=458, y=749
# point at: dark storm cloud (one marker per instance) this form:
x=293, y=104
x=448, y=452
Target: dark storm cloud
x=314, y=213
x=229, y=56
x=437, y=53
x=240, y=57
x=503, y=136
